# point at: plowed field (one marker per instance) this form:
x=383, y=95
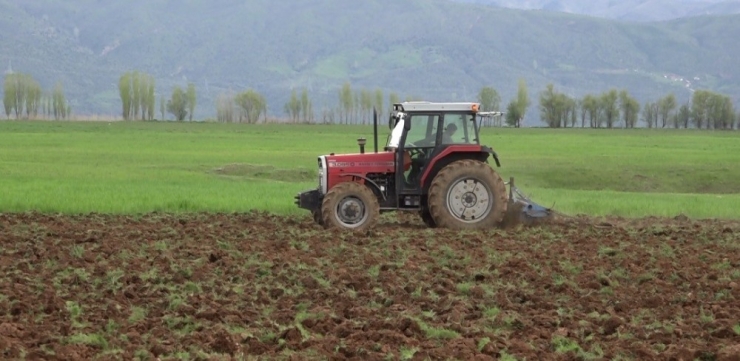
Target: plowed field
x=254, y=286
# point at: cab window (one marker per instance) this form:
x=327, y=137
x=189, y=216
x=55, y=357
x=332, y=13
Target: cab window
x=458, y=129
x=423, y=132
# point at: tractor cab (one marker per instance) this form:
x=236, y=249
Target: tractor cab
x=421, y=132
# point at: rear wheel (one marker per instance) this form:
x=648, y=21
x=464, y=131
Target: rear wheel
x=350, y=206
x=467, y=194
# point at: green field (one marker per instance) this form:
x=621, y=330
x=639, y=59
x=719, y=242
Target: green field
x=82, y=167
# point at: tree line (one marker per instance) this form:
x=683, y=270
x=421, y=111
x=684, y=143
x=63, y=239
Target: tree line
x=490, y=101
x=138, y=98
x=243, y=107
x=354, y=106
x=611, y=109
x=617, y=108
x=24, y=98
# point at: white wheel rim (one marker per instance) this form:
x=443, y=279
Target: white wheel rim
x=351, y=212
x=469, y=200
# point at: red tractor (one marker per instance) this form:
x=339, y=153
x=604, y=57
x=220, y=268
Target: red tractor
x=433, y=163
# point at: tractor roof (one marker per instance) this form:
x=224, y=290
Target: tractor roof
x=436, y=107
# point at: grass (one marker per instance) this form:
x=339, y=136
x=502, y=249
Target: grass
x=118, y=167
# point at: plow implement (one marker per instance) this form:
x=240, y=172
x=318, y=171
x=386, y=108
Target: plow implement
x=522, y=210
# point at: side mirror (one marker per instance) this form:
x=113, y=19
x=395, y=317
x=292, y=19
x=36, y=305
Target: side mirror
x=391, y=122
x=407, y=125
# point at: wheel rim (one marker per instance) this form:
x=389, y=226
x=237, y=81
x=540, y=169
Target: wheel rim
x=351, y=212
x=469, y=200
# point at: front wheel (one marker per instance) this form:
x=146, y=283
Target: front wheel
x=317, y=217
x=467, y=194
x=350, y=206
x=426, y=217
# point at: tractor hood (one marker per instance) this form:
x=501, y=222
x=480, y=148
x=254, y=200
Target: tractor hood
x=362, y=162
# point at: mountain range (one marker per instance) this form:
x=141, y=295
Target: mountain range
x=438, y=50
x=627, y=10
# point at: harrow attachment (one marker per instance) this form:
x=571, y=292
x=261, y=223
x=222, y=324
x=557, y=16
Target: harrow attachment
x=522, y=210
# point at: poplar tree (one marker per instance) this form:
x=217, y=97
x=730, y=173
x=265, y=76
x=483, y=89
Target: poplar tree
x=22, y=94
x=630, y=109
x=666, y=106
x=137, y=92
x=346, y=101
x=306, y=106
x=59, y=103
x=293, y=106
x=378, y=103
x=610, y=108
x=191, y=99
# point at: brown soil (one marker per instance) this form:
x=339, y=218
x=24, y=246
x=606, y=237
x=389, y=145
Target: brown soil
x=253, y=286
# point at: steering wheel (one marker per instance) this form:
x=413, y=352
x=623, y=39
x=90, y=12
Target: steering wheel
x=415, y=151
x=421, y=143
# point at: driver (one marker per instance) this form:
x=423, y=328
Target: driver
x=447, y=136
x=432, y=139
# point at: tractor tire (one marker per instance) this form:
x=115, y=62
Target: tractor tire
x=426, y=217
x=317, y=217
x=467, y=194
x=350, y=206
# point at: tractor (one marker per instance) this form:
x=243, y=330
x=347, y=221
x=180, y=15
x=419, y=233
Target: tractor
x=432, y=164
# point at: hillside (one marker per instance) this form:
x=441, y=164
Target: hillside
x=435, y=49
x=627, y=10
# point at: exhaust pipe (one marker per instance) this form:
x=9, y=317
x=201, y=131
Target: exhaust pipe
x=375, y=128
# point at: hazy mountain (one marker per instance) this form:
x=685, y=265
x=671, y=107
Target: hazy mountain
x=432, y=49
x=628, y=10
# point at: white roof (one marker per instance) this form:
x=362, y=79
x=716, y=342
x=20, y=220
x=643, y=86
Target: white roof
x=430, y=106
